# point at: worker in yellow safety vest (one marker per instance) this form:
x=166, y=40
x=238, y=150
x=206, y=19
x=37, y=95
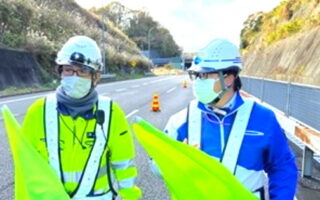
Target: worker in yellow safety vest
x=83, y=136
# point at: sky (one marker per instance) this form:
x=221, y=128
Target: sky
x=194, y=23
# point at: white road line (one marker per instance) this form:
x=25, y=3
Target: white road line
x=132, y=113
x=105, y=94
x=21, y=99
x=42, y=95
x=159, y=80
x=171, y=90
x=135, y=86
x=121, y=89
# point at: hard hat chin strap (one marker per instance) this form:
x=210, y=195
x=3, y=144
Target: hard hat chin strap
x=224, y=88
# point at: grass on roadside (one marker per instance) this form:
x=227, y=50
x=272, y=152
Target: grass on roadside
x=121, y=77
x=38, y=88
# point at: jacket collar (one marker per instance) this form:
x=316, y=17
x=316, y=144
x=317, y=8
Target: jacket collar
x=89, y=114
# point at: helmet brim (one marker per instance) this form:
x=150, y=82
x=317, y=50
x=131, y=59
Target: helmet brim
x=197, y=68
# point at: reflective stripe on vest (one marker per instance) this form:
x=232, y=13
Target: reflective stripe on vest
x=51, y=126
x=93, y=164
x=250, y=178
x=238, y=130
x=236, y=136
x=194, y=124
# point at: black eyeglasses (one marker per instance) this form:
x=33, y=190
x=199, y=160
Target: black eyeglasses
x=80, y=71
x=203, y=75
x=194, y=75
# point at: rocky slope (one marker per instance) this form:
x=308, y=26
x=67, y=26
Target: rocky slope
x=284, y=44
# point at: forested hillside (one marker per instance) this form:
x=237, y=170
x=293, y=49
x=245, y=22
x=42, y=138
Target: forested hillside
x=42, y=26
x=141, y=28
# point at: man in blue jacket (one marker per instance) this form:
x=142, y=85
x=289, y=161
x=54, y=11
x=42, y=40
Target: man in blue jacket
x=243, y=135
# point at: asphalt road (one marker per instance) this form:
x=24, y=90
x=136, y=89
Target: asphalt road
x=135, y=98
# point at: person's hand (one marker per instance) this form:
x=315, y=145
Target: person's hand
x=197, y=146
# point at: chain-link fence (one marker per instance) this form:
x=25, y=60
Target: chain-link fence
x=301, y=102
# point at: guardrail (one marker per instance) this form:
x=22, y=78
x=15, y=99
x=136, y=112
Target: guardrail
x=108, y=76
x=299, y=101
x=297, y=108
x=148, y=73
x=309, y=137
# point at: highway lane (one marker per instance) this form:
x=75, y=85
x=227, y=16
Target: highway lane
x=135, y=97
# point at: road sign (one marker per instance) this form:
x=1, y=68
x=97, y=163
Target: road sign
x=133, y=63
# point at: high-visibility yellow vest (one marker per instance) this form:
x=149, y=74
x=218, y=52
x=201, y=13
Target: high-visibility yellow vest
x=78, y=149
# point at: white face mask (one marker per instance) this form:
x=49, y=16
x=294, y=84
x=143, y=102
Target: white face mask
x=75, y=86
x=203, y=90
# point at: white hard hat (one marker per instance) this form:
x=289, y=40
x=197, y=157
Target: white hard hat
x=81, y=51
x=219, y=55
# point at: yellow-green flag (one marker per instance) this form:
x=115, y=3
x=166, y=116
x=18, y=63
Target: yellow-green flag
x=34, y=178
x=189, y=173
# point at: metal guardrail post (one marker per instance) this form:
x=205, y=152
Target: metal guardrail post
x=307, y=162
x=287, y=111
x=248, y=85
x=149, y=44
x=262, y=90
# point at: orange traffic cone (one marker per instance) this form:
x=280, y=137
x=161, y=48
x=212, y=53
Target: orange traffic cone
x=184, y=84
x=155, y=103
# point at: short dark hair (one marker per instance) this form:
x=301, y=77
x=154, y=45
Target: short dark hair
x=237, y=82
x=59, y=69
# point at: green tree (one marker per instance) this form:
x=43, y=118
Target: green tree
x=138, y=28
x=117, y=13
x=136, y=25
x=160, y=37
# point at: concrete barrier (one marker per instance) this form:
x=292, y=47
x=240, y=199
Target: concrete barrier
x=18, y=69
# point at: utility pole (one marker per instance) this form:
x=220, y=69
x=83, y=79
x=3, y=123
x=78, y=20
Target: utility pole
x=103, y=39
x=149, y=31
x=104, y=42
